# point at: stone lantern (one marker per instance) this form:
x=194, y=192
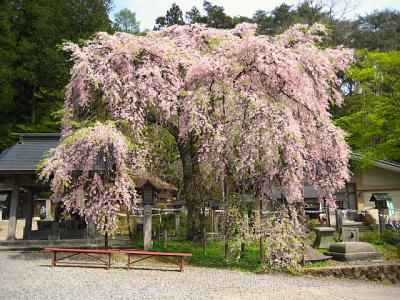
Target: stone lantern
x=149, y=194
x=380, y=200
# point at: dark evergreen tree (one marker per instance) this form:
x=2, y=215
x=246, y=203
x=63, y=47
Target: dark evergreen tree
x=35, y=30
x=174, y=16
x=8, y=58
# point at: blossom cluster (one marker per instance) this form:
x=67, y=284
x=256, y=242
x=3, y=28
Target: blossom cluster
x=90, y=169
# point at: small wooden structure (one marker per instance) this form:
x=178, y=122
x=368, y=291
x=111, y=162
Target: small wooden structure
x=18, y=177
x=20, y=188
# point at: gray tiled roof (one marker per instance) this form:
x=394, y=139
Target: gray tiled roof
x=386, y=164
x=27, y=153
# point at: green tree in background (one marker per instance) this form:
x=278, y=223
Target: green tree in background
x=377, y=31
x=35, y=70
x=125, y=20
x=215, y=17
x=174, y=16
x=8, y=57
x=371, y=114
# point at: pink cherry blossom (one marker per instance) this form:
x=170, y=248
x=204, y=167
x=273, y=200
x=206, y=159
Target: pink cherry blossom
x=257, y=105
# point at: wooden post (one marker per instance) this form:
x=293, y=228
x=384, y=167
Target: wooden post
x=261, y=250
x=205, y=240
x=257, y=210
x=106, y=235
x=328, y=216
x=165, y=239
x=128, y=221
x=12, y=221
x=242, y=247
x=381, y=220
x=177, y=222
x=28, y=215
x=106, y=241
x=212, y=220
x=159, y=229
x=226, y=248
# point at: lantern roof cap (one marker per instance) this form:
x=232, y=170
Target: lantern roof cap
x=380, y=197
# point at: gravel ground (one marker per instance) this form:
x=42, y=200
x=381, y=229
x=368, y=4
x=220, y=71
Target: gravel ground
x=29, y=276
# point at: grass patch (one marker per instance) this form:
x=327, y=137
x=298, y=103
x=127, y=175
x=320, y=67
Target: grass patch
x=384, y=243
x=214, y=255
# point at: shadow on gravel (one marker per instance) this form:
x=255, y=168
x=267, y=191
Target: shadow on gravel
x=29, y=255
x=82, y=262
x=138, y=268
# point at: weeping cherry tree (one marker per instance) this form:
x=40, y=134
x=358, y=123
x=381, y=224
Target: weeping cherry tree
x=238, y=105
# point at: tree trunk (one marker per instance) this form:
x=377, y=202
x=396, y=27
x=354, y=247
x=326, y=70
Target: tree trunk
x=191, y=172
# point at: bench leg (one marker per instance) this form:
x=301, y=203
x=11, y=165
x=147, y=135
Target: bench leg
x=129, y=262
x=109, y=261
x=54, y=259
x=181, y=263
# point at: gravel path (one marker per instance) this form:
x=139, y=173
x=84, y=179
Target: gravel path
x=29, y=276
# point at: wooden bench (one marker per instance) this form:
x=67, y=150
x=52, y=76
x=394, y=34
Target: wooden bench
x=149, y=254
x=107, y=263
x=88, y=252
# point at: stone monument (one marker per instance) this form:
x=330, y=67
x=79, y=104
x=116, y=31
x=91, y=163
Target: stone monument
x=148, y=201
x=350, y=235
x=324, y=237
x=352, y=251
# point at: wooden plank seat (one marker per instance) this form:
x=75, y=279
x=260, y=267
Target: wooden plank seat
x=149, y=254
x=93, y=254
x=107, y=263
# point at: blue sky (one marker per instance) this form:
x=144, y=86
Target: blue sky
x=148, y=10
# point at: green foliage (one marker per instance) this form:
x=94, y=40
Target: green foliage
x=122, y=223
x=312, y=223
x=376, y=31
x=283, y=244
x=33, y=71
x=8, y=57
x=384, y=243
x=374, y=237
x=215, y=17
x=125, y=20
x=284, y=16
x=371, y=114
x=164, y=155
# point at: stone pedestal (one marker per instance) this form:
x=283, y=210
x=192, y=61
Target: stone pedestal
x=352, y=251
x=350, y=235
x=324, y=237
x=147, y=227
